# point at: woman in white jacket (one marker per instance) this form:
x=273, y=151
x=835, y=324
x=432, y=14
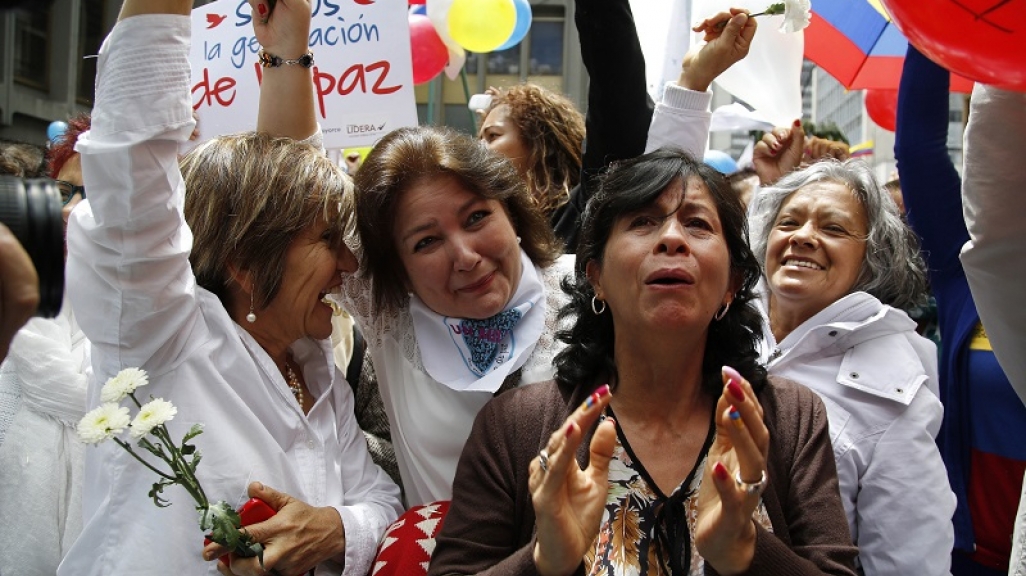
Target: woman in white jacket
x=838, y=264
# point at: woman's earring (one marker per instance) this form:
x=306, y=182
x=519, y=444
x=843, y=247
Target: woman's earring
x=518, y=239
x=594, y=307
x=251, y=317
x=722, y=312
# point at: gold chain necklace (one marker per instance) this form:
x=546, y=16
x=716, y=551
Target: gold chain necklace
x=293, y=383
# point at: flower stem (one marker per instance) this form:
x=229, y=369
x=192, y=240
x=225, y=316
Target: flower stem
x=187, y=479
x=134, y=399
x=128, y=448
x=723, y=23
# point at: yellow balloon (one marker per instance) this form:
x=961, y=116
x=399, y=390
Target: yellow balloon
x=482, y=25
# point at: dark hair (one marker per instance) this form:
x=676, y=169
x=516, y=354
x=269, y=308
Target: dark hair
x=409, y=156
x=553, y=130
x=63, y=148
x=627, y=187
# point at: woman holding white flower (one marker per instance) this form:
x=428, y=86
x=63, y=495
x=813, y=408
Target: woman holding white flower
x=217, y=294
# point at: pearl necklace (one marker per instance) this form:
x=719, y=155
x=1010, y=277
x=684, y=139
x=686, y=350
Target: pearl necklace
x=293, y=382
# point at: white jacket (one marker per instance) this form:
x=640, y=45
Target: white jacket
x=878, y=380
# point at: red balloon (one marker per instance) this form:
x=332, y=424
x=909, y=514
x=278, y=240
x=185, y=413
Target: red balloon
x=882, y=106
x=429, y=52
x=984, y=40
x=421, y=2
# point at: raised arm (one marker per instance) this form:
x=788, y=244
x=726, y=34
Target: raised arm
x=128, y=244
x=993, y=200
x=619, y=108
x=286, y=92
x=682, y=115
x=930, y=184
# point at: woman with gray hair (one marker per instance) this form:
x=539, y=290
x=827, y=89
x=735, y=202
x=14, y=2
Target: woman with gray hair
x=838, y=263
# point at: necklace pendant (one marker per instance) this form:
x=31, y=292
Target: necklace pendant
x=293, y=382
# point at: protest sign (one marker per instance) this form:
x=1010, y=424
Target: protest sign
x=362, y=76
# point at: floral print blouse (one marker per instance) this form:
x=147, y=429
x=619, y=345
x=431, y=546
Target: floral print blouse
x=641, y=527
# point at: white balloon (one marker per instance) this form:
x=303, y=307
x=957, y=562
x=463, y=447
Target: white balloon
x=438, y=13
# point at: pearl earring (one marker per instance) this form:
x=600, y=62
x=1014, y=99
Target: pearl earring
x=251, y=317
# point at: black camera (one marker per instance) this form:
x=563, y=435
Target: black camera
x=31, y=208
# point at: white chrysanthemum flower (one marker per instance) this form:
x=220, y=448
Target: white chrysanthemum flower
x=152, y=414
x=123, y=384
x=797, y=15
x=103, y=423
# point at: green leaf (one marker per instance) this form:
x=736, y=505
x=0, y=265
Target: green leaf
x=773, y=9
x=196, y=457
x=157, y=490
x=188, y=449
x=193, y=432
x=224, y=526
x=155, y=449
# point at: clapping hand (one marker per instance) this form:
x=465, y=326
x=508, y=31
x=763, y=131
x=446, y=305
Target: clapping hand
x=568, y=502
x=734, y=478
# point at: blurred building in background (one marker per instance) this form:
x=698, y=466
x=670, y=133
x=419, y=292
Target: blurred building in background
x=47, y=73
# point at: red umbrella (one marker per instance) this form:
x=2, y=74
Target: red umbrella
x=856, y=43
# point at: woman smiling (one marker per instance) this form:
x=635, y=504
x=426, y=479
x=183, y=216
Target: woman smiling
x=839, y=263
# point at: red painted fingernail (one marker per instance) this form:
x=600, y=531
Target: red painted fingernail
x=570, y=429
x=735, y=390
x=797, y=123
x=602, y=390
x=261, y=9
x=733, y=379
x=720, y=471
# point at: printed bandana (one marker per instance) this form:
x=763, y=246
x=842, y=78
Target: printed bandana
x=477, y=355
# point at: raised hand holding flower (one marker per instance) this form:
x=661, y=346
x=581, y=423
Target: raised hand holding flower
x=797, y=15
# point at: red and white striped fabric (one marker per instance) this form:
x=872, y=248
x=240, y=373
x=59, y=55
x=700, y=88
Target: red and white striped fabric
x=407, y=545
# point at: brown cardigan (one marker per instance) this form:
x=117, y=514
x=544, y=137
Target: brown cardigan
x=490, y=526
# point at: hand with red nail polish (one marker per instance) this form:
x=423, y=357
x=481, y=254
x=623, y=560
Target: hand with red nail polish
x=778, y=152
x=569, y=502
x=725, y=533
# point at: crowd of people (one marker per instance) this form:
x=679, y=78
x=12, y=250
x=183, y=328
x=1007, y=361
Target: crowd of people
x=583, y=349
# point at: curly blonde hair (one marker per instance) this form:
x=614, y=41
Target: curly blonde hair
x=553, y=130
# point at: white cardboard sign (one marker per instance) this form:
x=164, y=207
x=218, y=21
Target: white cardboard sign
x=362, y=76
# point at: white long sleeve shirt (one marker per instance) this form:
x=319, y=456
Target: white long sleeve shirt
x=878, y=380
x=136, y=298
x=681, y=118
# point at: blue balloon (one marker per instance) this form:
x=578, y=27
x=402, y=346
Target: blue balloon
x=521, y=27
x=720, y=161
x=418, y=9
x=56, y=129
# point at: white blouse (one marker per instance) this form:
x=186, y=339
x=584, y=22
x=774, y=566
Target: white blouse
x=136, y=298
